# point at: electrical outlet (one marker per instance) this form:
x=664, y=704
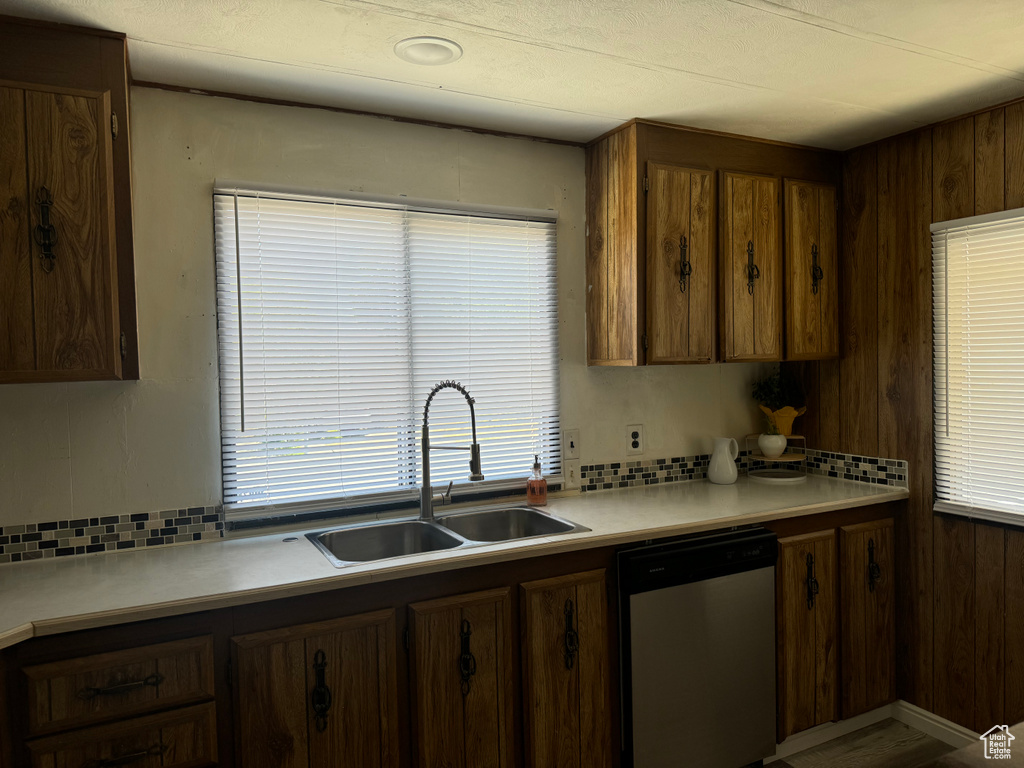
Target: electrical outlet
x=634, y=439
x=571, y=474
x=571, y=444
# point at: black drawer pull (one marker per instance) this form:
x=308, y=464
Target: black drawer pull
x=87, y=694
x=685, y=268
x=753, y=271
x=320, y=697
x=467, y=661
x=134, y=757
x=812, y=582
x=817, y=275
x=572, y=638
x=874, y=569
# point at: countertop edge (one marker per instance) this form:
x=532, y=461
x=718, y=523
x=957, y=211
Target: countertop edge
x=551, y=545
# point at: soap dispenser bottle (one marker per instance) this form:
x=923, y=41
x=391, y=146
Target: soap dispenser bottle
x=537, y=486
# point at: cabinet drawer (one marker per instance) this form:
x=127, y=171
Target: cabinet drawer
x=182, y=738
x=91, y=689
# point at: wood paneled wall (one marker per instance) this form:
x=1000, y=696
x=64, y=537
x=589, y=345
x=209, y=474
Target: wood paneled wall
x=960, y=597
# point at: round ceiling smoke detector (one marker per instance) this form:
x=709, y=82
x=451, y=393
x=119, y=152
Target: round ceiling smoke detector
x=428, y=51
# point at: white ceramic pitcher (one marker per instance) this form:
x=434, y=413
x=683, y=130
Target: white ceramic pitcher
x=722, y=469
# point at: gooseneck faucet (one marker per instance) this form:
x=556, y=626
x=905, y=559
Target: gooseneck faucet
x=427, y=497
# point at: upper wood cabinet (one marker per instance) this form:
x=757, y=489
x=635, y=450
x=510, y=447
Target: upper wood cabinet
x=613, y=299
x=680, y=265
x=462, y=667
x=566, y=668
x=751, y=268
x=867, y=616
x=318, y=694
x=812, y=290
x=670, y=278
x=67, y=280
x=806, y=624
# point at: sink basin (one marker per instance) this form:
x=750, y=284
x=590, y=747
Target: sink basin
x=365, y=543
x=506, y=524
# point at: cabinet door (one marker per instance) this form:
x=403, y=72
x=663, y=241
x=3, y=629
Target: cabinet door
x=69, y=162
x=751, y=268
x=462, y=680
x=806, y=621
x=318, y=694
x=868, y=616
x=680, y=265
x=812, y=290
x=566, y=695
x=17, y=346
x=613, y=306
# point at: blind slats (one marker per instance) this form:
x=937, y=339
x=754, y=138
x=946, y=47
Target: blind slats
x=336, y=319
x=978, y=345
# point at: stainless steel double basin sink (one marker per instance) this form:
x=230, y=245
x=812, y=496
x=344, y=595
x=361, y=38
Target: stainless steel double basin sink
x=366, y=543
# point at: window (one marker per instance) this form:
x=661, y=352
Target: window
x=337, y=317
x=978, y=332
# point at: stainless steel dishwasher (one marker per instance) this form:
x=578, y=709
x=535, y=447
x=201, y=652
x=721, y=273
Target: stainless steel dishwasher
x=698, y=650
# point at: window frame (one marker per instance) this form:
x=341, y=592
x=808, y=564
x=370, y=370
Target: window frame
x=385, y=501
x=943, y=506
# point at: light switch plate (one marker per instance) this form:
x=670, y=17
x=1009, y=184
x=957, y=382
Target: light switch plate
x=634, y=439
x=571, y=444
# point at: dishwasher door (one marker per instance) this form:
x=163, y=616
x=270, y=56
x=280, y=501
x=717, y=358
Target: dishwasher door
x=700, y=682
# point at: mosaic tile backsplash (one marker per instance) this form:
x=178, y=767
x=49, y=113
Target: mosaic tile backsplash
x=626, y=474
x=61, y=538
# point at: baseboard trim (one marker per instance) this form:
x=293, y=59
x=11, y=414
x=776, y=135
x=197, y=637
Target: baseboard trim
x=819, y=734
x=935, y=726
x=903, y=711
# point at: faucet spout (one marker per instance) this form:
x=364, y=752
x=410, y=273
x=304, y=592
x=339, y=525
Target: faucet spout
x=475, y=471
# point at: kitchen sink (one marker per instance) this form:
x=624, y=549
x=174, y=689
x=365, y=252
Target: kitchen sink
x=379, y=541
x=369, y=542
x=506, y=524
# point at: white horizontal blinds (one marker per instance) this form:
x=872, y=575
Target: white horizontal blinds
x=978, y=291
x=484, y=312
x=325, y=363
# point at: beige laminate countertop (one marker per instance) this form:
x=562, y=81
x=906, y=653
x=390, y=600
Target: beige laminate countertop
x=66, y=594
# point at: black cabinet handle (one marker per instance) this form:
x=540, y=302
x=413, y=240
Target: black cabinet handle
x=87, y=694
x=817, y=275
x=320, y=698
x=812, y=582
x=874, y=569
x=467, y=661
x=685, y=268
x=46, y=233
x=753, y=271
x=572, y=638
x=134, y=757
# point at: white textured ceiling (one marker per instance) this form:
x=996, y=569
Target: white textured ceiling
x=827, y=73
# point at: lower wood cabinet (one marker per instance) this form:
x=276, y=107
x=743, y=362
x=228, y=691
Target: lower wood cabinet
x=318, y=694
x=806, y=605
x=462, y=680
x=114, y=686
x=181, y=738
x=566, y=668
x=867, y=616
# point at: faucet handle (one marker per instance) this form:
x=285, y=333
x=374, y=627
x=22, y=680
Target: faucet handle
x=445, y=497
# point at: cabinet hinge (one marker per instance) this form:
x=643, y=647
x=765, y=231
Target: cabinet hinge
x=113, y=124
x=643, y=342
x=124, y=346
x=647, y=183
x=405, y=639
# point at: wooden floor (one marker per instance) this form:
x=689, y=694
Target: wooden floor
x=886, y=744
